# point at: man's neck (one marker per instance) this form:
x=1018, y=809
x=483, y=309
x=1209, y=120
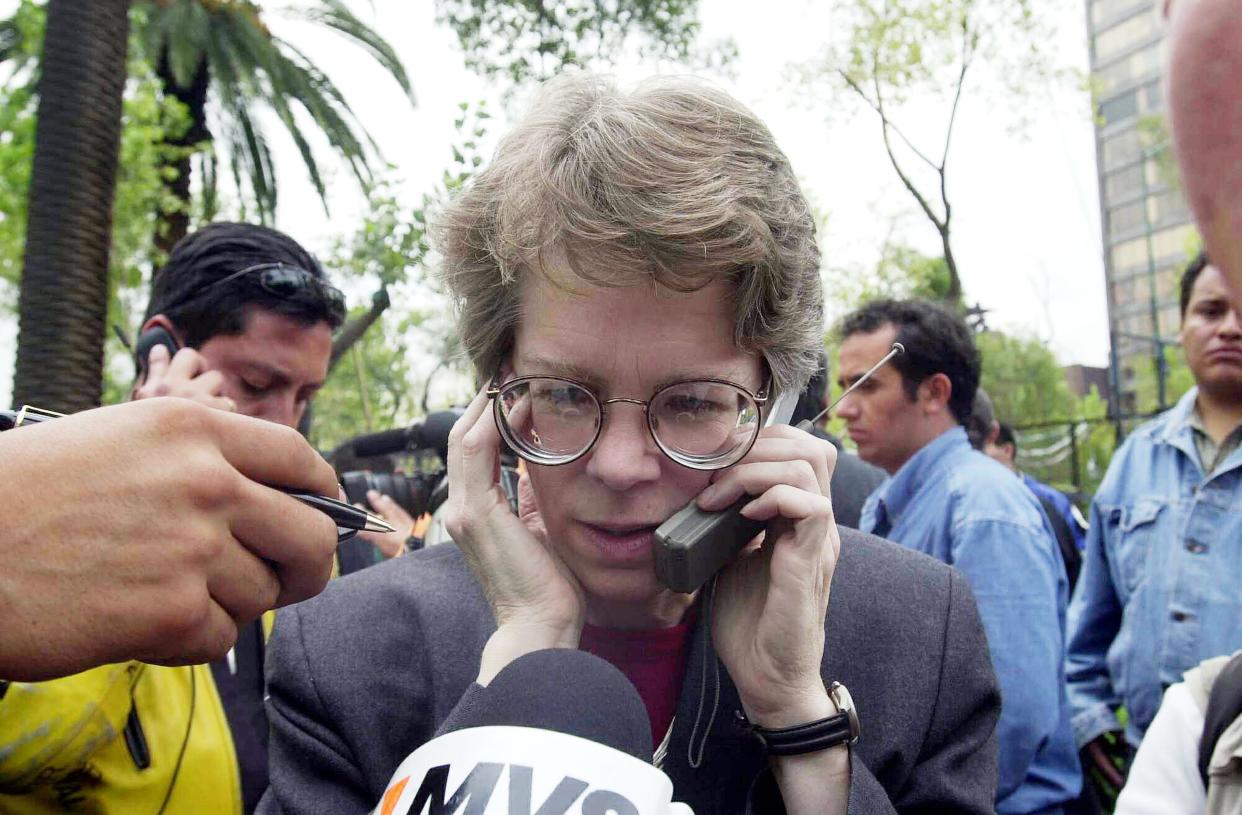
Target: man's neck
x=1220, y=413
x=931, y=431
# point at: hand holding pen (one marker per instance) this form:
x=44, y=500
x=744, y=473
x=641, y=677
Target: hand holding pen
x=147, y=531
x=350, y=520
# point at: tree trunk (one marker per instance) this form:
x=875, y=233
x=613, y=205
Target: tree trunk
x=953, y=296
x=353, y=330
x=173, y=225
x=64, y=289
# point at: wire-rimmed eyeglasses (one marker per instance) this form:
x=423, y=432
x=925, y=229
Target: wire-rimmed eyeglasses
x=704, y=424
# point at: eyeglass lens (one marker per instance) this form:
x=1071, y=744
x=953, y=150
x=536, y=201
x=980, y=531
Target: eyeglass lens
x=696, y=423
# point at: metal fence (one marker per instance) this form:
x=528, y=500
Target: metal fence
x=1073, y=455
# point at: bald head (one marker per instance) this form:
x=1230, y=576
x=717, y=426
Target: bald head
x=1205, y=112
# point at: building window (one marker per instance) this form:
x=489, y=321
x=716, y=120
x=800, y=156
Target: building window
x=1104, y=10
x=1173, y=244
x=1167, y=284
x=1140, y=65
x=1120, y=107
x=1123, y=148
x=1126, y=219
x=1123, y=36
x=1167, y=206
x=1123, y=184
x=1130, y=256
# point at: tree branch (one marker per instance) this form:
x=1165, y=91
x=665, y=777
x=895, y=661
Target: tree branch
x=353, y=330
x=967, y=56
x=878, y=107
x=892, y=157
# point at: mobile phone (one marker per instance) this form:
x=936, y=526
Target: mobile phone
x=147, y=341
x=693, y=545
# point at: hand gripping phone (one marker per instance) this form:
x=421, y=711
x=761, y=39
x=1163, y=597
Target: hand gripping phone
x=156, y=335
x=693, y=545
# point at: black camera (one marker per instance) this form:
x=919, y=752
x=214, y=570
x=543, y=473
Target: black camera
x=414, y=493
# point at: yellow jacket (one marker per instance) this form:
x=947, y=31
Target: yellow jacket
x=117, y=740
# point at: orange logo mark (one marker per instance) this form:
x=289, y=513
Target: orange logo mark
x=390, y=797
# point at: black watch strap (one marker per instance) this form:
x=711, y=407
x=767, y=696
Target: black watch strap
x=839, y=728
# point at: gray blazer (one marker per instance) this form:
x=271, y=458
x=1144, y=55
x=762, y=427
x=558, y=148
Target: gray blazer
x=365, y=673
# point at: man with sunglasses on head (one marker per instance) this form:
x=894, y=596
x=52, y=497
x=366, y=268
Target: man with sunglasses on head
x=240, y=319
x=638, y=281
x=252, y=315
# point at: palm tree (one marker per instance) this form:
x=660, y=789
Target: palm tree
x=64, y=288
x=220, y=59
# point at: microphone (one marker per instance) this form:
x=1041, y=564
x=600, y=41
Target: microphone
x=431, y=433
x=558, y=731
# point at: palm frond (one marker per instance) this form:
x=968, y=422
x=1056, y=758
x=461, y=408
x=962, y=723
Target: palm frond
x=259, y=156
x=334, y=14
x=250, y=69
x=185, y=28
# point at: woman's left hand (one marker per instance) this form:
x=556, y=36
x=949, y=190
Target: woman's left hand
x=768, y=626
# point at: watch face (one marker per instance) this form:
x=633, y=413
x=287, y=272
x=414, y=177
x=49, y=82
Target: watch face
x=845, y=703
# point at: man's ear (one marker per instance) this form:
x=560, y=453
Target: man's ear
x=934, y=393
x=162, y=321
x=158, y=330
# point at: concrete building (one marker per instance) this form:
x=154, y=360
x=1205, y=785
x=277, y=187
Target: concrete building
x=1147, y=236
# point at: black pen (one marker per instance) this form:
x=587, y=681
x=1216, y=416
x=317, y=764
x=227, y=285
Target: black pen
x=349, y=519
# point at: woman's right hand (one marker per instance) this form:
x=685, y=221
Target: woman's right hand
x=536, y=600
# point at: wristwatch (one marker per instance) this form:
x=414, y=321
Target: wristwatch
x=841, y=727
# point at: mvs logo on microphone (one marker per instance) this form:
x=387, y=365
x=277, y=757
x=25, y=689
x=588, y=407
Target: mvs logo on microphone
x=521, y=770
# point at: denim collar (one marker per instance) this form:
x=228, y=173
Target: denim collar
x=1176, y=428
x=922, y=468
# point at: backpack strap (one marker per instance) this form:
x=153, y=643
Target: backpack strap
x=1223, y=707
x=1065, y=540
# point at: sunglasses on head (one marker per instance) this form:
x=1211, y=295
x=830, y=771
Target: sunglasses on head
x=281, y=280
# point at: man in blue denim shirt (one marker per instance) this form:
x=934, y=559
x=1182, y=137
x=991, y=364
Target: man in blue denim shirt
x=1161, y=587
x=952, y=502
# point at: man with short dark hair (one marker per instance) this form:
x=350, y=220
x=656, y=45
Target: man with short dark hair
x=240, y=318
x=947, y=500
x=253, y=315
x=1160, y=581
x=853, y=479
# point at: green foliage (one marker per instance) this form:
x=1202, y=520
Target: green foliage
x=370, y=388
x=1024, y=379
x=524, y=41
x=1029, y=391
x=901, y=272
x=920, y=47
x=1178, y=379
x=390, y=251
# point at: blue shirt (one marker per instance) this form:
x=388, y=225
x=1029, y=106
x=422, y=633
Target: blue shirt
x=1063, y=506
x=959, y=506
x=1161, y=582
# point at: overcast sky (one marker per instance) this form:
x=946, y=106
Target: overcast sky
x=1026, y=218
